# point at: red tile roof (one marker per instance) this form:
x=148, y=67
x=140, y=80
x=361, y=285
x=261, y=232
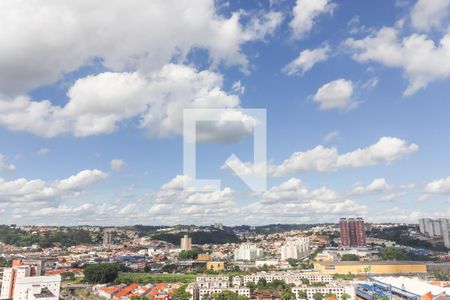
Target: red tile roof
x=126, y=290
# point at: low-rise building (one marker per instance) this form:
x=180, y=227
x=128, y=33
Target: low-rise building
x=215, y=265
x=371, y=267
x=335, y=288
x=289, y=277
x=400, y=288
x=209, y=285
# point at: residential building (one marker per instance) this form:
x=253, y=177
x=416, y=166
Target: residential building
x=295, y=248
x=186, y=243
x=37, y=287
x=439, y=227
x=336, y=288
x=19, y=269
x=371, y=267
x=107, y=237
x=209, y=285
x=432, y=227
x=289, y=277
x=353, y=233
x=248, y=252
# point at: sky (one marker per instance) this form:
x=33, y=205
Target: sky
x=356, y=95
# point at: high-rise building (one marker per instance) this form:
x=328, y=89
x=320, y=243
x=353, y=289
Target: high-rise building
x=107, y=237
x=295, y=248
x=248, y=252
x=431, y=227
x=439, y=227
x=353, y=233
x=446, y=232
x=186, y=243
x=23, y=281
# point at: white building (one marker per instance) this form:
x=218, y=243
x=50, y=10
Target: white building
x=295, y=248
x=37, y=287
x=436, y=228
x=289, y=277
x=218, y=282
x=23, y=282
x=186, y=243
x=269, y=263
x=209, y=285
x=248, y=252
x=338, y=289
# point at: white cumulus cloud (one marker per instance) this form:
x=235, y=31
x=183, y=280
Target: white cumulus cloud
x=428, y=14
x=42, y=40
x=336, y=94
x=323, y=159
x=37, y=190
x=305, y=14
x=117, y=165
x=306, y=60
x=421, y=59
x=99, y=103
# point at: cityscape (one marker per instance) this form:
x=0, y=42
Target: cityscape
x=224, y=150
x=346, y=260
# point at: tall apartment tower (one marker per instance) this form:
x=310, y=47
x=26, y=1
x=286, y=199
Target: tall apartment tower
x=20, y=271
x=186, y=243
x=107, y=237
x=295, y=248
x=353, y=233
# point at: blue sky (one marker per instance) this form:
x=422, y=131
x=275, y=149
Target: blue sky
x=91, y=101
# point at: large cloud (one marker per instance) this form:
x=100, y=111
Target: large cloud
x=28, y=191
x=99, y=103
x=42, y=40
x=438, y=187
x=328, y=159
x=292, y=201
x=428, y=14
x=322, y=159
x=305, y=14
x=420, y=58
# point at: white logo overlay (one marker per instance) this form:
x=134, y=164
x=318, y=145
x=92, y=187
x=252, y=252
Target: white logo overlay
x=253, y=175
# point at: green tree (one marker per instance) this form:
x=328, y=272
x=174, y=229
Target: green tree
x=228, y=295
x=4, y=262
x=305, y=281
x=252, y=286
x=262, y=283
x=302, y=295
x=350, y=257
x=190, y=254
x=101, y=273
x=181, y=293
x=288, y=295
x=318, y=296
x=292, y=262
x=345, y=296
